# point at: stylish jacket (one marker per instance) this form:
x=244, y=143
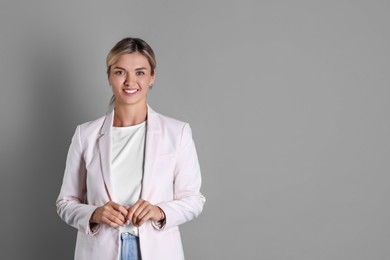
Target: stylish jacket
x=171, y=180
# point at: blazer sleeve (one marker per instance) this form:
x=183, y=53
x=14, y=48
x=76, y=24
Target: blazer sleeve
x=71, y=202
x=188, y=201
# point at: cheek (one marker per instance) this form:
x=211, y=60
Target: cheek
x=115, y=82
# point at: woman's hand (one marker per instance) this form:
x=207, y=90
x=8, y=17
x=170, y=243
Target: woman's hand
x=111, y=213
x=142, y=211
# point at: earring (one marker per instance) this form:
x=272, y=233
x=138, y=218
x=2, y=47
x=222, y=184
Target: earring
x=151, y=85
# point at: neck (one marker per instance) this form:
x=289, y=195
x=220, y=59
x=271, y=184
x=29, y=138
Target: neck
x=129, y=115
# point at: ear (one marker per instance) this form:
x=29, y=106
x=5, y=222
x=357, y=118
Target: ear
x=153, y=78
x=108, y=79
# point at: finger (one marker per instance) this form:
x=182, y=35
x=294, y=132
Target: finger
x=117, y=207
x=139, y=211
x=145, y=211
x=144, y=218
x=112, y=215
x=109, y=222
x=127, y=221
x=133, y=208
x=120, y=209
x=146, y=214
x=118, y=217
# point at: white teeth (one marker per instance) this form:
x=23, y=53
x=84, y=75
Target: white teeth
x=131, y=91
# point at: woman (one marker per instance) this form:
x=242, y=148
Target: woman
x=132, y=176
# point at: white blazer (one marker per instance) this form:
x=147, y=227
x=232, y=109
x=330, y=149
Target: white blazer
x=171, y=180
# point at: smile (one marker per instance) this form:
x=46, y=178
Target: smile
x=130, y=91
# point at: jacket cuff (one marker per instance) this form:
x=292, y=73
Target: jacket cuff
x=91, y=228
x=160, y=225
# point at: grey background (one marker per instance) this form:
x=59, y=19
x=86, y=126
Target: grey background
x=288, y=101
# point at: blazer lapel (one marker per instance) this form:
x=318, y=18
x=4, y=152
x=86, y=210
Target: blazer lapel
x=153, y=131
x=105, y=152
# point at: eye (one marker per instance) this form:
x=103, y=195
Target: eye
x=119, y=72
x=140, y=73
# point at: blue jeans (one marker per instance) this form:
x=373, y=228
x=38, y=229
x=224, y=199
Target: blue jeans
x=130, y=247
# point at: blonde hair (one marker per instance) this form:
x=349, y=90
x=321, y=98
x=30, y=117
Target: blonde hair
x=130, y=45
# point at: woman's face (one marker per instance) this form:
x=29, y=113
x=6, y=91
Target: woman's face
x=130, y=77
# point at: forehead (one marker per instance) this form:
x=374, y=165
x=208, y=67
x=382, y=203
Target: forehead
x=132, y=60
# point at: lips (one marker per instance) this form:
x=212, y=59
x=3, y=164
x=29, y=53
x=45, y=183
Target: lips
x=130, y=91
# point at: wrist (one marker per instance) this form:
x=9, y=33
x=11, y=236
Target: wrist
x=91, y=219
x=162, y=214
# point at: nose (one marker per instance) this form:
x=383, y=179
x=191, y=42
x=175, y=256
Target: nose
x=129, y=81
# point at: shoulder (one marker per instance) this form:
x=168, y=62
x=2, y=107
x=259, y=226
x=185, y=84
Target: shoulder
x=171, y=128
x=170, y=121
x=94, y=128
x=93, y=124
x=165, y=123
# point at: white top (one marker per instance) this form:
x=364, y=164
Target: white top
x=128, y=146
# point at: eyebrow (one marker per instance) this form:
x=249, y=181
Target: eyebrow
x=120, y=68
